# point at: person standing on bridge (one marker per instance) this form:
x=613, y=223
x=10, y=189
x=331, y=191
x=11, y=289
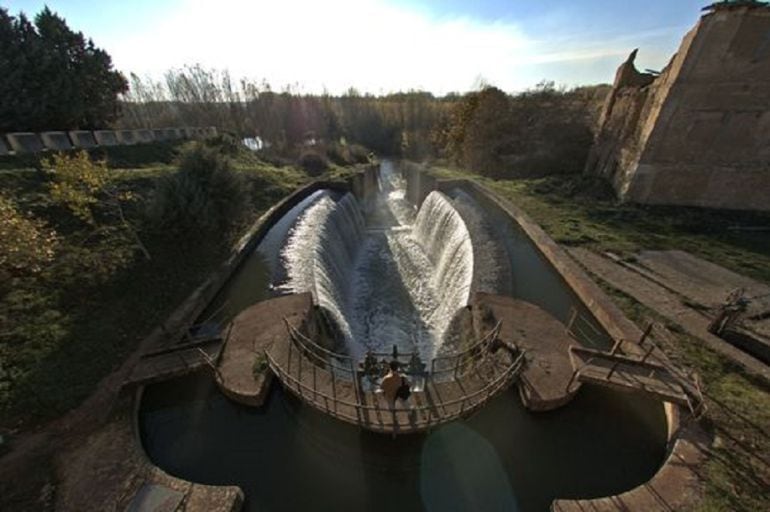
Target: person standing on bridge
x=395, y=386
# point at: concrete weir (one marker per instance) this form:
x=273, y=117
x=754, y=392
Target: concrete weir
x=518, y=341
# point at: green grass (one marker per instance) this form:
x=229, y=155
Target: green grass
x=738, y=417
x=64, y=330
x=579, y=210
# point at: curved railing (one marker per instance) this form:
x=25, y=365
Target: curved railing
x=343, y=398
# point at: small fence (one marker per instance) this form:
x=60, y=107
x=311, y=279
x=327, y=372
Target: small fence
x=331, y=383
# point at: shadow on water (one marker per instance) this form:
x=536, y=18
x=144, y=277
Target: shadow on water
x=286, y=456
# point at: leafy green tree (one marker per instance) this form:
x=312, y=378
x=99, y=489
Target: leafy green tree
x=54, y=78
x=82, y=185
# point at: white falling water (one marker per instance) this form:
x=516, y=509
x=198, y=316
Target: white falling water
x=384, y=280
x=320, y=253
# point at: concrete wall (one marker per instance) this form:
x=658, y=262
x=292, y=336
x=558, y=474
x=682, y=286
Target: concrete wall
x=126, y=137
x=106, y=138
x=699, y=134
x=366, y=183
x=57, y=141
x=82, y=139
x=25, y=142
x=144, y=136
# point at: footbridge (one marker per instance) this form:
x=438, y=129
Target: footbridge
x=449, y=387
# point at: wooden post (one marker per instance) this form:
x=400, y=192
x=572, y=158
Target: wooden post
x=334, y=388
x=646, y=333
x=647, y=354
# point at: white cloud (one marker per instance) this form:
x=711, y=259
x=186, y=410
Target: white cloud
x=336, y=44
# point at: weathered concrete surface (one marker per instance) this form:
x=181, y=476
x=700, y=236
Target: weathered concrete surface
x=704, y=283
x=544, y=384
x=25, y=142
x=252, y=332
x=82, y=139
x=107, y=469
x=667, y=304
x=106, y=137
x=699, y=134
x=56, y=141
x=366, y=183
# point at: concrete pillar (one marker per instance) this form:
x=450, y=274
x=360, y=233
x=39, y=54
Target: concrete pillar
x=106, y=137
x=25, y=142
x=82, y=139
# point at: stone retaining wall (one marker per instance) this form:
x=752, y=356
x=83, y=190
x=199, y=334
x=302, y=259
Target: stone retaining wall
x=27, y=142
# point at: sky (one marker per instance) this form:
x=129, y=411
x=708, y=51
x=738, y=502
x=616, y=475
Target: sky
x=381, y=46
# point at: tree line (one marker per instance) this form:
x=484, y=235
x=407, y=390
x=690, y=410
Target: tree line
x=56, y=79
x=540, y=131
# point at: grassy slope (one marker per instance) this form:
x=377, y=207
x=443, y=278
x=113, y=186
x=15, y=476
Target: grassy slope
x=575, y=210
x=67, y=334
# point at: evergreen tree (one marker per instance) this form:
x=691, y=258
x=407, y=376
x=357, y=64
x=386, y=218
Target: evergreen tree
x=54, y=78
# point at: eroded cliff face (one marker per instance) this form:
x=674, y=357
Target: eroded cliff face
x=699, y=133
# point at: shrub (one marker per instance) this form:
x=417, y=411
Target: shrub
x=204, y=196
x=313, y=163
x=26, y=244
x=260, y=365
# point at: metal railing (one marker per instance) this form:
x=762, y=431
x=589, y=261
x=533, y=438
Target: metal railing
x=687, y=380
x=334, y=365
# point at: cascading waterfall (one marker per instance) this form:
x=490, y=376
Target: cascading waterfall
x=392, y=278
x=320, y=252
x=443, y=235
x=492, y=271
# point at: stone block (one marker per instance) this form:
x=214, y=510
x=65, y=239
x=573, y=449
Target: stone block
x=144, y=136
x=56, y=141
x=211, y=131
x=25, y=142
x=106, y=137
x=126, y=137
x=3, y=146
x=82, y=139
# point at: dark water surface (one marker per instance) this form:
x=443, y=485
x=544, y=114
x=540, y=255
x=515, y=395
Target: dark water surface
x=286, y=456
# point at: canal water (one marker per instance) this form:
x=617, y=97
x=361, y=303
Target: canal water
x=386, y=274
